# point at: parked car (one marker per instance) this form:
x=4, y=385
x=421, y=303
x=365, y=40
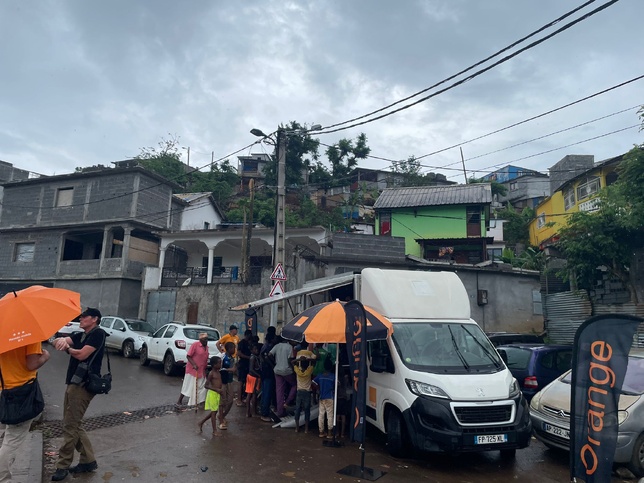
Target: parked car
x=536, y=365
x=171, y=342
x=550, y=414
x=125, y=335
x=66, y=330
x=503, y=338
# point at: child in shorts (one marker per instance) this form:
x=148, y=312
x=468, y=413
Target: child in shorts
x=252, y=381
x=215, y=389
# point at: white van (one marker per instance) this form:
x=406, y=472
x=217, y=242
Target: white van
x=438, y=384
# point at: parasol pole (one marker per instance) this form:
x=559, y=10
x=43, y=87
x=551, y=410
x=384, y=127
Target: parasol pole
x=335, y=443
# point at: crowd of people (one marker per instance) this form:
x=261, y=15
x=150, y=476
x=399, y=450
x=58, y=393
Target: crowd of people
x=271, y=380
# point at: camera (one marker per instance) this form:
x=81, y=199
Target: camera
x=80, y=375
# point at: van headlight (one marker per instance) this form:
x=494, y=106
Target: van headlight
x=424, y=389
x=622, y=416
x=514, y=388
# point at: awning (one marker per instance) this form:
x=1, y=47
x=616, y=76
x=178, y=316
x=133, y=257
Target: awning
x=311, y=287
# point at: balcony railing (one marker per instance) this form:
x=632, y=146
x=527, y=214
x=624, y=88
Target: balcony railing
x=198, y=276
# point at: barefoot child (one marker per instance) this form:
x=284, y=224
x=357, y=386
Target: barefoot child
x=252, y=381
x=215, y=388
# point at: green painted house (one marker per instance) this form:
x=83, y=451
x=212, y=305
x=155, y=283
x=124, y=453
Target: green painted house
x=438, y=222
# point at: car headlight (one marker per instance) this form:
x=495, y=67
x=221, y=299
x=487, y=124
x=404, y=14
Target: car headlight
x=424, y=389
x=622, y=416
x=514, y=388
x=535, y=402
x=141, y=339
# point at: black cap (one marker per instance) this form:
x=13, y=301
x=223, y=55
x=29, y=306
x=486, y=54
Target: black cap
x=91, y=312
x=233, y=326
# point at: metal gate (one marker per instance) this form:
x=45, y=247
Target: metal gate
x=160, y=309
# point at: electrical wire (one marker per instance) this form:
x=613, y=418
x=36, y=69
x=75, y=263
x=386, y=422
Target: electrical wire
x=328, y=129
x=496, y=54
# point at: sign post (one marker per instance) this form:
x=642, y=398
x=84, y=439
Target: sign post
x=278, y=276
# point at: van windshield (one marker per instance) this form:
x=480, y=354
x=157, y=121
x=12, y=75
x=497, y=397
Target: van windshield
x=445, y=347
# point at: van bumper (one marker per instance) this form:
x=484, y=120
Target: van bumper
x=432, y=427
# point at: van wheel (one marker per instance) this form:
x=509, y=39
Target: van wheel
x=143, y=356
x=395, y=437
x=168, y=364
x=508, y=454
x=128, y=349
x=637, y=460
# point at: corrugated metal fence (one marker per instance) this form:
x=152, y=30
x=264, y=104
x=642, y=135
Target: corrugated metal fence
x=564, y=312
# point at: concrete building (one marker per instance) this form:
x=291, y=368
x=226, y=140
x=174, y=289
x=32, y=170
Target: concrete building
x=92, y=232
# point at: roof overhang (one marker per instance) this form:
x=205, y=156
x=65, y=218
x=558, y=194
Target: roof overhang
x=314, y=286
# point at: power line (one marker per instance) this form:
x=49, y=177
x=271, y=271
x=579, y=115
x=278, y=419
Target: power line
x=326, y=130
x=496, y=54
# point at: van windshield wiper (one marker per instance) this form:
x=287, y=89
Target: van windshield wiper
x=487, y=352
x=458, y=352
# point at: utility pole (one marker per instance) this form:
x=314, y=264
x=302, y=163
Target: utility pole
x=247, y=235
x=280, y=217
x=463, y=161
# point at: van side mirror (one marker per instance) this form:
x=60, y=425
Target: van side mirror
x=504, y=355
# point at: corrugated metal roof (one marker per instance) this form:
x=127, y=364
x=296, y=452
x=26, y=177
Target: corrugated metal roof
x=434, y=195
x=190, y=197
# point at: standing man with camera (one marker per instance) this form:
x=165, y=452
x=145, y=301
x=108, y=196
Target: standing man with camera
x=81, y=347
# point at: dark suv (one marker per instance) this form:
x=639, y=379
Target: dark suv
x=536, y=365
x=503, y=338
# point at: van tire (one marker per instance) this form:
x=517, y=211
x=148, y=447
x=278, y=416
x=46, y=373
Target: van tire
x=636, y=464
x=395, y=434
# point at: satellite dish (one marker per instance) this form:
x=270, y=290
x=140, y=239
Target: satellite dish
x=186, y=282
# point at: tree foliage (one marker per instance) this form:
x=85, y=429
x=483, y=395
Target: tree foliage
x=516, y=229
x=301, y=154
x=604, y=240
x=409, y=173
x=497, y=188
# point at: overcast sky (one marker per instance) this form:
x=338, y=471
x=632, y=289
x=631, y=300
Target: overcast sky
x=84, y=83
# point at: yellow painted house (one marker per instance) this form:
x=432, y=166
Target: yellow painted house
x=575, y=194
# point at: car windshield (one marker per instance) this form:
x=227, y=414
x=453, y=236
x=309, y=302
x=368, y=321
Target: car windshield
x=139, y=326
x=194, y=333
x=445, y=347
x=634, y=379
x=518, y=358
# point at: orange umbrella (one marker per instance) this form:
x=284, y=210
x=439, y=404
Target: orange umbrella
x=35, y=314
x=327, y=322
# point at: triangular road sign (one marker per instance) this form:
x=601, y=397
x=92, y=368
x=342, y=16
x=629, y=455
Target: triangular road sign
x=277, y=289
x=278, y=273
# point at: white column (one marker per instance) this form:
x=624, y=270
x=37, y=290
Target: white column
x=161, y=262
x=211, y=256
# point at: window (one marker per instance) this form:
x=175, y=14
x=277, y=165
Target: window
x=473, y=216
x=119, y=325
x=206, y=225
x=587, y=188
x=64, y=196
x=541, y=220
x=569, y=198
x=514, y=186
x=107, y=322
x=170, y=332
x=494, y=253
x=24, y=252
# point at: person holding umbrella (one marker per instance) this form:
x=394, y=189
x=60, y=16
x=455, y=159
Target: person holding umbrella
x=81, y=347
x=19, y=366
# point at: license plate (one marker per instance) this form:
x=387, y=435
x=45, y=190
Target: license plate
x=491, y=439
x=562, y=433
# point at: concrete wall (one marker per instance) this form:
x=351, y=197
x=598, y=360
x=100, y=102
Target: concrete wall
x=568, y=168
x=111, y=296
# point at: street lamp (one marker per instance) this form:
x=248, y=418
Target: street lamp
x=279, y=246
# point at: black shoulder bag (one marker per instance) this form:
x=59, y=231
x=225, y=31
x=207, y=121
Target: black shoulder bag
x=22, y=403
x=97, y=384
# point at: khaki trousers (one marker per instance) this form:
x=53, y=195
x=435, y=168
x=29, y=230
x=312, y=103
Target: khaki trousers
x=77, y=400
x=14, y=436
